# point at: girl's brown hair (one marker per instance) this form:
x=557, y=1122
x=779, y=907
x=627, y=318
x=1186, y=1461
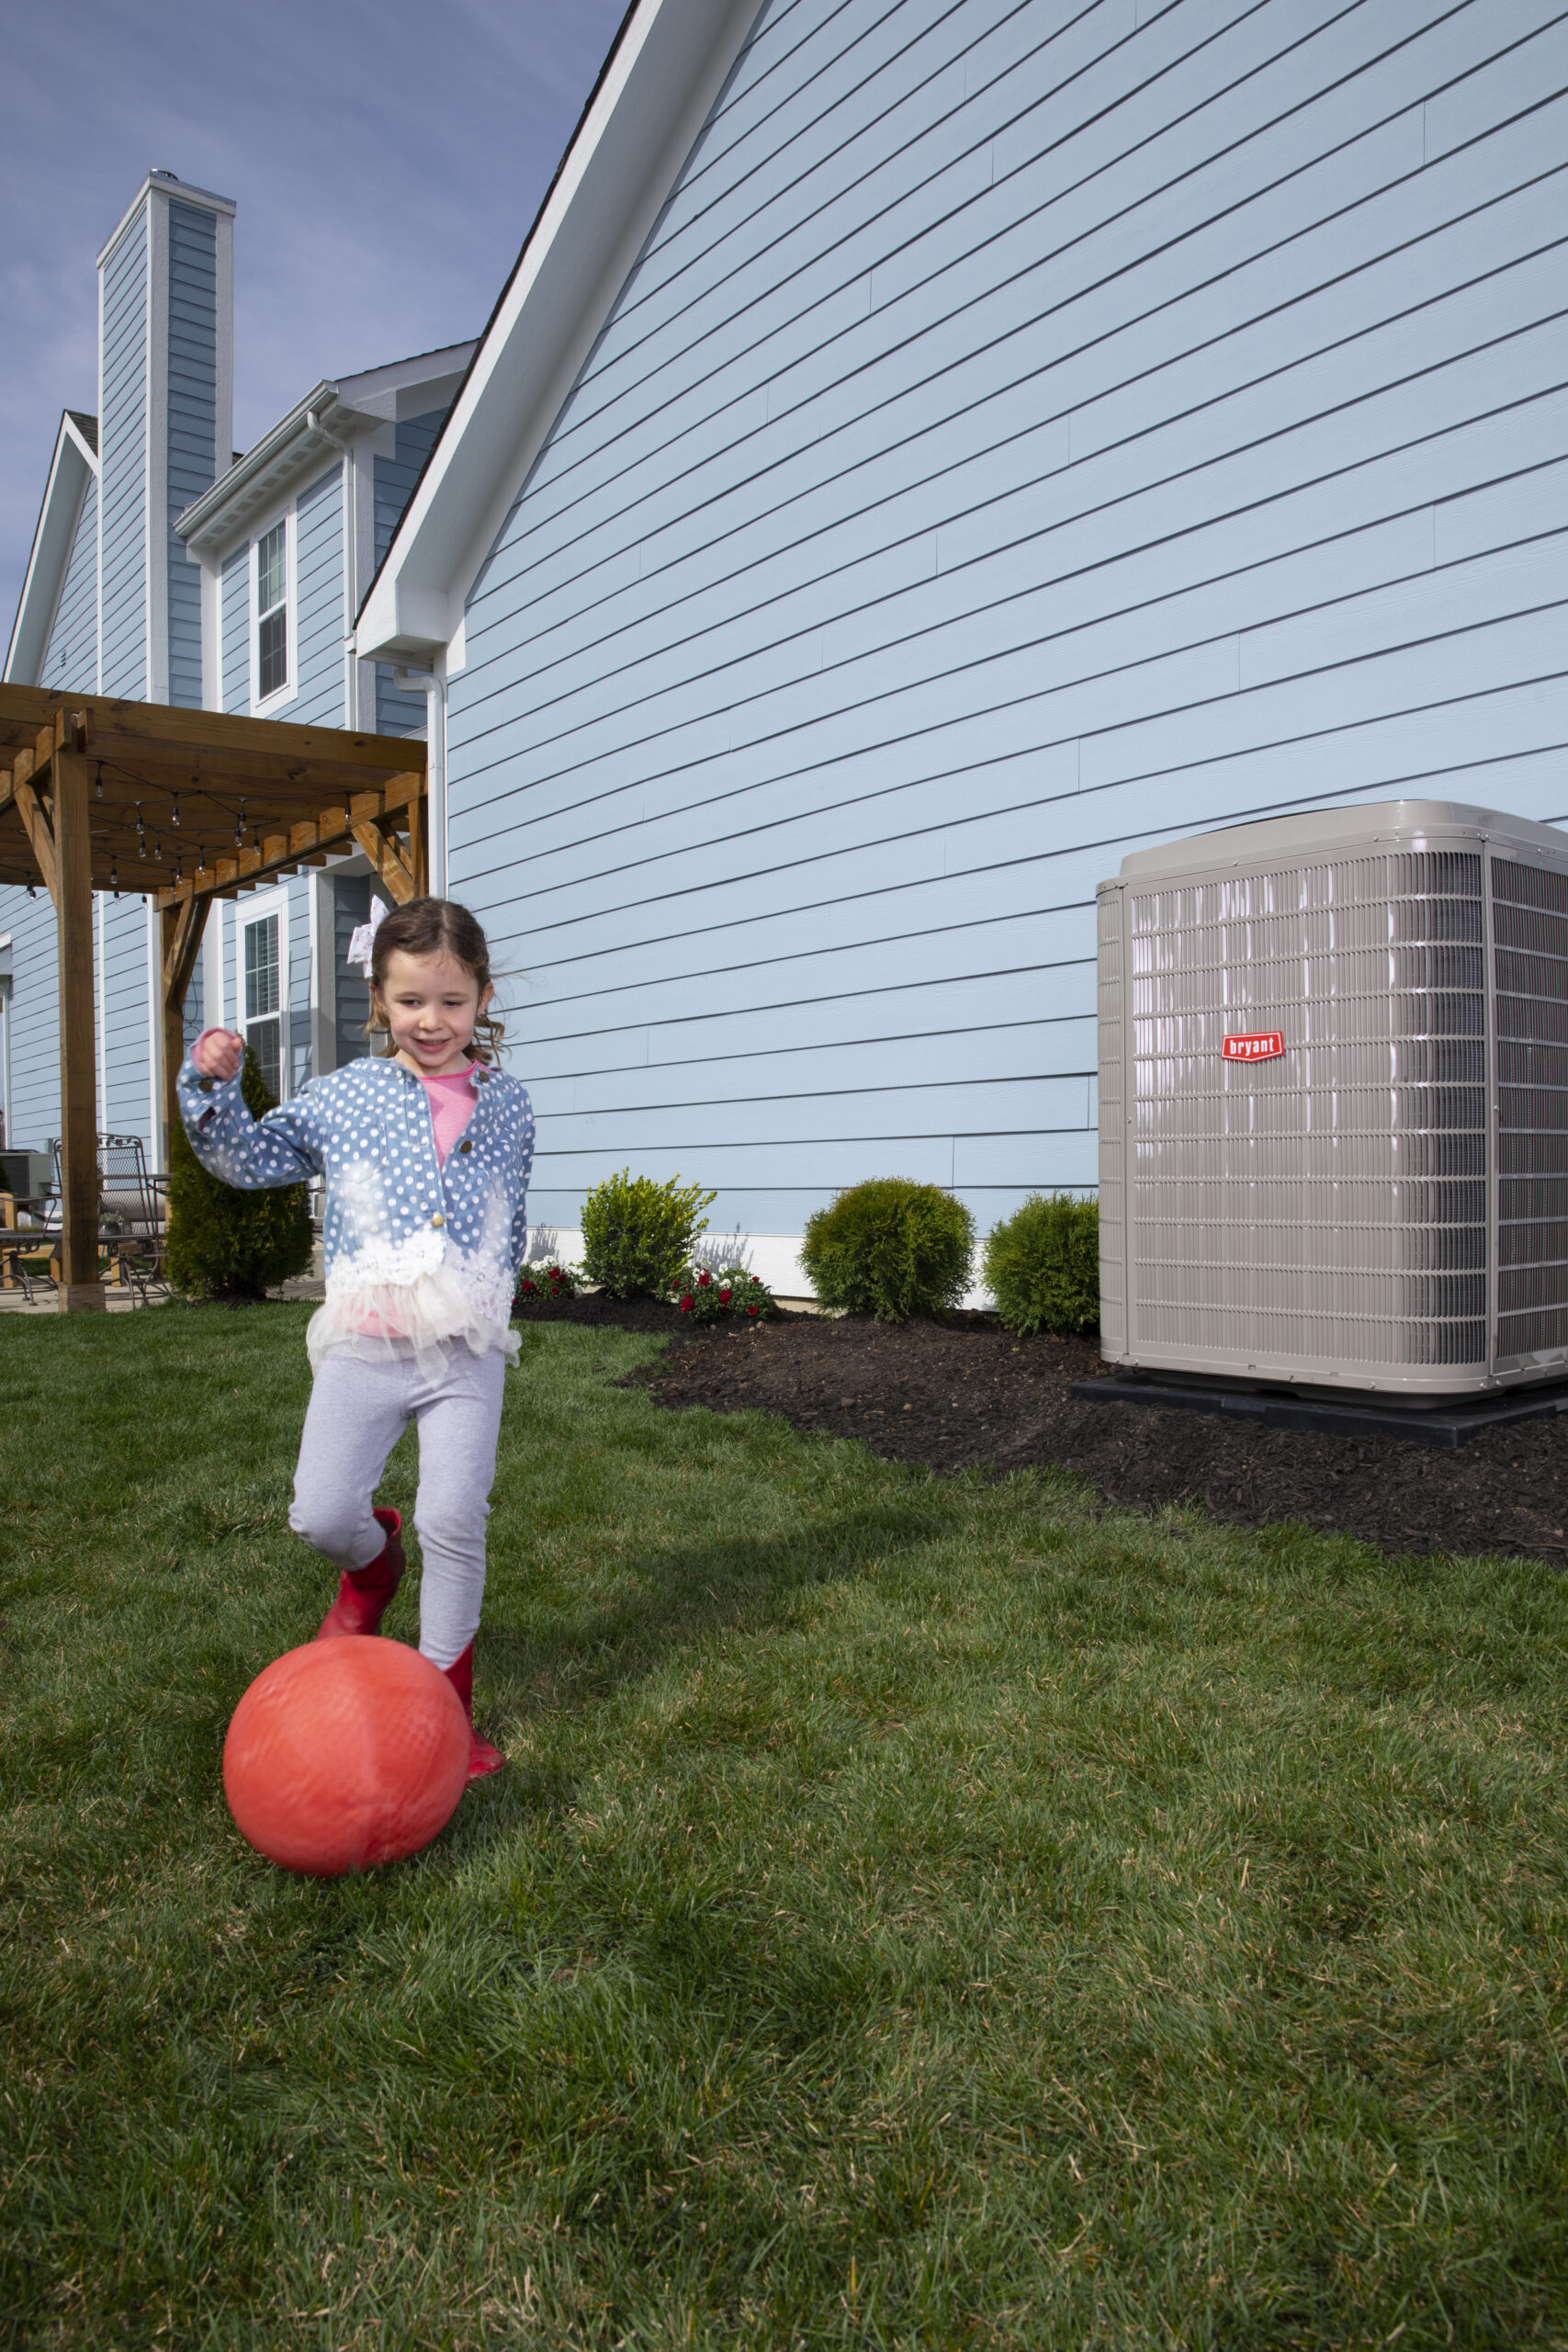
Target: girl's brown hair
x=434, y=927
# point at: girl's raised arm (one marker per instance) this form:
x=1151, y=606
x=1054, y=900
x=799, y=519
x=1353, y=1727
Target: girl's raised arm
x=251, y=1154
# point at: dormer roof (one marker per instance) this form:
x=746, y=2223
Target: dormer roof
x=72, y=466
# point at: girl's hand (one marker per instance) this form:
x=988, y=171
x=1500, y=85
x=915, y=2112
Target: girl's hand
x=219, y=1054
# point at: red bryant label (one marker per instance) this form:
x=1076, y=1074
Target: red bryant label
x=1263, y=1045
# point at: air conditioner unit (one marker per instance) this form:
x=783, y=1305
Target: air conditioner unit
x=1334, y=1102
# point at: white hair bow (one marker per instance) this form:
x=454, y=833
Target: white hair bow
x=362, y=945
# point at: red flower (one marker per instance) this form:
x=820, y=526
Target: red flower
x=686, y=1304
x=750, y=1310
x=702, y=1279
x=724, y=1295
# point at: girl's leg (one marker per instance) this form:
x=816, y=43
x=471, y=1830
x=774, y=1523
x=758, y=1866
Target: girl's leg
x=459, y=1420
x=356, y=1414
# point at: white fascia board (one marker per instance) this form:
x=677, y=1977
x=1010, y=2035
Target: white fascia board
x=72, y=467
x=668, y=65
x=375, y=392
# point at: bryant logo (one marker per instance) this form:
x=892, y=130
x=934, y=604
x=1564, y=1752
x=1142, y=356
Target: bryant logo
x=1262, y=1045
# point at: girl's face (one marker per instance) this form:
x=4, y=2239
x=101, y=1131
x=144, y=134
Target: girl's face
x=430, y=1005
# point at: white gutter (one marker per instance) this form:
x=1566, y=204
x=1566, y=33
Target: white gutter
x=305, y=432
x=669, y=65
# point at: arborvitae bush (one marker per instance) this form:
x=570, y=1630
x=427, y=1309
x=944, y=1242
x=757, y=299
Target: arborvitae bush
x=637, y=1235
x=1042, y=1265
x=890, y=1247
x=229, y=1245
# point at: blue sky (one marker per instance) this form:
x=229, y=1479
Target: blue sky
x=385, y=158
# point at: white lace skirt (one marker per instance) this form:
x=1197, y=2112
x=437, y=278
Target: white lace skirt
x=420, y=1319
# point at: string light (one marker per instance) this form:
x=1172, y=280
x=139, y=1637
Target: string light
x=140, y=834
x=157, y=850
x=114, y=878
x=240, y=827
x=100, y=792
x=174, y=810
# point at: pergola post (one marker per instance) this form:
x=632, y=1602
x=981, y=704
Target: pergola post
x=78, y=1285
x=180, y=928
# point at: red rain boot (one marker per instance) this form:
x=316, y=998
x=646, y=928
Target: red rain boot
x=363, y=1593
x=484, y=1758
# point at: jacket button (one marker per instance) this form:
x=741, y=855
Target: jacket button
x=438, y=1218
x=467, y=1144
x=206, y=1085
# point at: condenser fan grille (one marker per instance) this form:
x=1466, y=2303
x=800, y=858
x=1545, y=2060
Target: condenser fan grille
x=1529, y=927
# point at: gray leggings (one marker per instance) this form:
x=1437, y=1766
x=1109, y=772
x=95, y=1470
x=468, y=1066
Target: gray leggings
x=356, y=1414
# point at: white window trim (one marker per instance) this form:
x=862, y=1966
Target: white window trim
x=257, y=908
x=288, y=691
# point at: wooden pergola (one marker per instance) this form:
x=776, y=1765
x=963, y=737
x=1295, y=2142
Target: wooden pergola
x=183, y=807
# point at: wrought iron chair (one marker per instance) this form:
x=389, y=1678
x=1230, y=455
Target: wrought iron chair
x=132, y=1222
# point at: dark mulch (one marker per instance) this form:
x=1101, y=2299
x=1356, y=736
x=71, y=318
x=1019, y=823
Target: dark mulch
x=963, y=1394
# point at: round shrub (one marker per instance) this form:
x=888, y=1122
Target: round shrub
x=229, y=1245
x=637, y=1235
x=1042, y=1265
x=890, y=1247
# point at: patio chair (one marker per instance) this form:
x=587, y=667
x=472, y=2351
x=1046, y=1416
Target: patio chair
x=133, y=1221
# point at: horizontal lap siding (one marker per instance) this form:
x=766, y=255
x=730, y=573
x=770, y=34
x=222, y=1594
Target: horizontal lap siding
x=192, y=427
x=122, y=430
x=127, y=1107
x=35, y=1018
x=234, y=628
x=72, y=659
x=1019, y=440
x=319, y=622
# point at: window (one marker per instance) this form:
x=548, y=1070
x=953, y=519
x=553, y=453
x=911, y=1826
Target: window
x=271, y=612
x=263, y=1000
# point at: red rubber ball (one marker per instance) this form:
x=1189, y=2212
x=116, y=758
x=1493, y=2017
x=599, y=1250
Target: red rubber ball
x=345, y=1754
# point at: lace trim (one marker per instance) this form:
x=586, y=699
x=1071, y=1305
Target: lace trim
x=384, y=1316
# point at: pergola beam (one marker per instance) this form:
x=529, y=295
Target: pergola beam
x=91, y=788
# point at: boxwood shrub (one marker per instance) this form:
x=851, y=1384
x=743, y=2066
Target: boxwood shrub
x=637, y=1236
x=1042, y=1265
x=890, y=1247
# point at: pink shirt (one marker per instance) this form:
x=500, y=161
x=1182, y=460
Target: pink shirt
x=452, y=1103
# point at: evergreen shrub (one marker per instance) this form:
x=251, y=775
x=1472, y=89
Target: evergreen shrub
x=1042, y=1265
x=890, y=1247
x=637, y=1236
x=228, y=1245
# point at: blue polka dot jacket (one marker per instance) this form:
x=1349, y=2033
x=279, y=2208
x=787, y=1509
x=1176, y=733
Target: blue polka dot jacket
x=417, y=1254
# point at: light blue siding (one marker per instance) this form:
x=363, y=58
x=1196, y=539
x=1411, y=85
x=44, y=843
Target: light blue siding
x=235, y=627
x=319, y=588
x=126, y=1107
x=392, y=482
x=1018, y=439
x=35, y=1018
x=71, y=658
x=192, y=426
x=122, y=449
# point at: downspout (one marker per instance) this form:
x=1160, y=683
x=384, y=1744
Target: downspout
x=434, y=690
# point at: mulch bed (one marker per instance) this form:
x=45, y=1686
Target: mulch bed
x=963, y=1394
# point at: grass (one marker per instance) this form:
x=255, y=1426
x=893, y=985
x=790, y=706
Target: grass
x=919, y=1913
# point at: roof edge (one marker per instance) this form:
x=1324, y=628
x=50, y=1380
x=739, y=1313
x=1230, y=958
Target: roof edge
x=669, y=62
x=72, y=467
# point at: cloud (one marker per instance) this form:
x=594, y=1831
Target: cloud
x=387, y=160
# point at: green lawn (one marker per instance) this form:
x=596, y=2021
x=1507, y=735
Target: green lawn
x=919, y=1913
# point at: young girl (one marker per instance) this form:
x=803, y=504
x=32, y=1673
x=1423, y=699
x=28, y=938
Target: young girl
x=427, y=1153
